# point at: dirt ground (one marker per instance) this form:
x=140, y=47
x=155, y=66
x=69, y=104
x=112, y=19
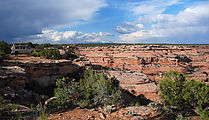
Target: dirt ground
x=89, y=114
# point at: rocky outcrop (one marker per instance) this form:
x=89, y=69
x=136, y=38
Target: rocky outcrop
x=12, y=76
x=136, y=83
x=26, y=83
x=47, y=73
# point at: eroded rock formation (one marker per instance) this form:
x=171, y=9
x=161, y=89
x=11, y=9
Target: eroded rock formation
x=151, y=62
x=26, y=83
x=136, y=83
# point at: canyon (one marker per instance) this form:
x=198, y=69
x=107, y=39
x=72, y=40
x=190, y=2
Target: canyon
x=27, y=80
x=145, y=65
x=138, y=68
x=152, y=60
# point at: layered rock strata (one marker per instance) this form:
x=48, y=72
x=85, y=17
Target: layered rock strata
x=153, y=60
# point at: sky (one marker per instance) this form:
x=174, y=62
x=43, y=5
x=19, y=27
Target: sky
x=105, y=21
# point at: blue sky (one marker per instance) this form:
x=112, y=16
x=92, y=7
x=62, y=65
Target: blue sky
x=118, y=21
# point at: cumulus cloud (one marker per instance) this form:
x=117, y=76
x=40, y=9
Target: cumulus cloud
x=53, y=36
x=26, y=17
x=188, y=26
x=138, y=36
x=128, y=27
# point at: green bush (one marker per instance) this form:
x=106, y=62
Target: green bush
x=4, y=49
x=50, y=54
x=204, y=114
x=156, y=106
x=42, y=46
x=41, y=111
x=43, y=115
x=19, y=116
x=99, y=89
x=70, y=53
x=47, y=53
x=177, y=91
x=1, y=99
x=35, y=54
x=93, y=89
x=171, y=89
x=65, y=92
x=196, y=94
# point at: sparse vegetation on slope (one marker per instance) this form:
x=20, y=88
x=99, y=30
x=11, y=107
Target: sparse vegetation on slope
x=47, y=53
x=93, y=89
x=51, y=54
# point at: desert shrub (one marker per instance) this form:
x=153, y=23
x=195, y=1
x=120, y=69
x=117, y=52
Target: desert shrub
x=196, y=94
x=177, y=91
x=42, y=46
x=42, y=115
x=156, y=106
x=93, y=89
x=47, y=53
x=98, y=90
x=105, y=90
x=50, y=54
x=1, y=99
x=19, y=116
x=4, y=49
x=30, y=44
x=8, y=107
x=35, y=54
x=171, y=89
x=71, y=54
x=41, y=112
x=137, y=104
x=204, y=114
x=65, y=92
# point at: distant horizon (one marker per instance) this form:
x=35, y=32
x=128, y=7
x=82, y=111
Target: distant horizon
x=105, y=21
x=111, y=43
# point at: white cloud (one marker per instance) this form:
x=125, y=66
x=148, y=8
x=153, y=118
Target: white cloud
x=128, y=27
x=138, y=36
x=27, y=17
x=53, y=36
x=148, y=11
x=188, y=26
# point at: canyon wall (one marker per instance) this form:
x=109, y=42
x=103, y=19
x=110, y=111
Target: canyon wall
x=145, y=65
x=31, y=83
x=47, y=73
x=152, y=60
